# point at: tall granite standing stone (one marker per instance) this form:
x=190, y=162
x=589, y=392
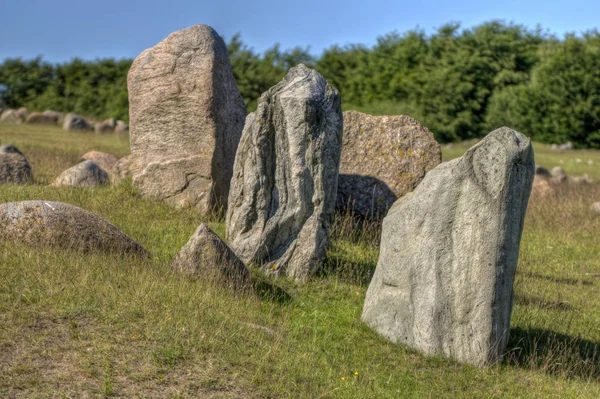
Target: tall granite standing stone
x=383, y=158
x=444, y=280
x=284, y=182
x=186, y=115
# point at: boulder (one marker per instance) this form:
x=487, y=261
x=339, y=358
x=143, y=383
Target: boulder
x=444, y=280
x=558, y=175
x=542, y=172
x=107, y=126
x=186, y=116
x=284, y=184
x=206, y=255
x=14, y=167
x=122, y=129
x=84, y=174
x=60, y=117
x=23, y=112
x=541, y=188
x=396, y=150
x=102, y=159
x=42, y=119
x=10, y=116
x=57, y=224
x=75, y=122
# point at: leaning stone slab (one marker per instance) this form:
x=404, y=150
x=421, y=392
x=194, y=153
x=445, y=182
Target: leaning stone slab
x=186, y=115
x=393, y=150
x=284, y=183
x=444, y=280
x=14, y=167
x=207, y=256
x=84, y=174
x=57, y=224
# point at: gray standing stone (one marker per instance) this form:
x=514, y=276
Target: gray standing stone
x=84, y=174
x=75, y=122
x=396, y=151
x=42, y=119
x=67, y=226
x=186, y=116
x=284, y=184
x=207, y=256
x=444, y=280
x=14, y=167
x=10, y=116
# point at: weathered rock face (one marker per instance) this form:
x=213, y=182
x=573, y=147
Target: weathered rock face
x=75, y=122
x=14, y=167
x=122, y=129
x=284, y=183
x=10, y=116
x=42, y=119
x=107, y=126
x=206, y=255
x=57, y=224
x=186, y=116
x=444, y=280
x=394, y=150
x=84, y=174
x=102, y=159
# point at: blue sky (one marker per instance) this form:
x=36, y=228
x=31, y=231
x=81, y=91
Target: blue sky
x=60, y=30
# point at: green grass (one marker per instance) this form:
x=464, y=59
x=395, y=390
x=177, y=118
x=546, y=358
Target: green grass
x=74, y=325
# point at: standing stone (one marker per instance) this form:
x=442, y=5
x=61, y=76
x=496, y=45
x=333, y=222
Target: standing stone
x=42, y=119
x=396, y=151
x=444, y=280
x=49, y=223
x=84, y=174
x=284, y=182
x=14, y=167
x=107, y=126
x=10, y=116
x=206, y=255
x=186, y=116
x=122, y=129
x=75, y=122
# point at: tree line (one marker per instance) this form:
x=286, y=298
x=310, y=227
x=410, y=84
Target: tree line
x=460, y=83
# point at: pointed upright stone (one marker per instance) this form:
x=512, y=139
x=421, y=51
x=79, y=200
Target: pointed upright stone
x=444, y=279
x=186, y=116
x=284, y=184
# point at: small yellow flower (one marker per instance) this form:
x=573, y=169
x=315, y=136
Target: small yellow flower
x=343, y=378
x=356, y=373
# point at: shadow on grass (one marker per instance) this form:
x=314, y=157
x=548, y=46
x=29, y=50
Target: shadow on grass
x=345, y=268
x=267, y=290
x=541, y=303
x=559, y=280
x=553, y=353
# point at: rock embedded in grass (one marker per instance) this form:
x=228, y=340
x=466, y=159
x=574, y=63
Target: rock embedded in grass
x=10, y=116
x=57, y=224
x=396, y=151
x=207, y=256
x=284, y=184
x=74, y=122
x=14, y=167
x=39, y=118
x=104, y=160
x=444, y=280
x=84, y=174
x=186, y=119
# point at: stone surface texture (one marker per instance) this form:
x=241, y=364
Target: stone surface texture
x=186, y=115
x=63, y=225
x=284, y=184
x=84, y=174
x=14, y=167
x=206, y=255
x=396, y=151
x=444, y=280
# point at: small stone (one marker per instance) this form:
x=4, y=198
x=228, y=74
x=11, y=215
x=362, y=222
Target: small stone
x=84, y=174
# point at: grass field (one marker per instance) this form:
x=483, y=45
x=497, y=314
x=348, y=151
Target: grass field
x=74, y=325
